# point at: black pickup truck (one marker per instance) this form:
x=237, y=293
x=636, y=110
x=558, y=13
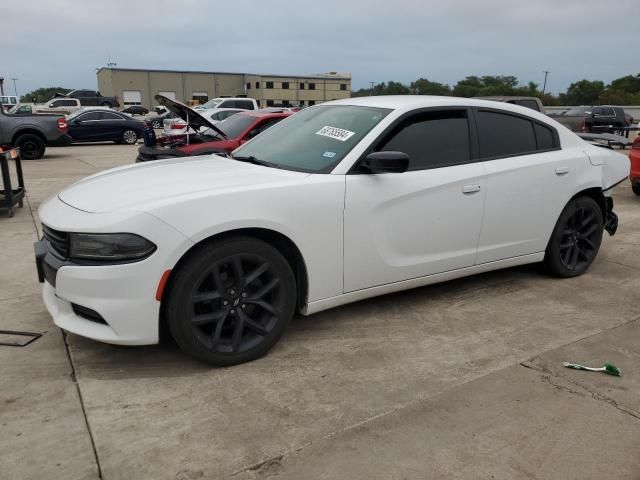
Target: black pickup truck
x=597, y=119
x=91, y=98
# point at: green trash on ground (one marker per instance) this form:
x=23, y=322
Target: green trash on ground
x=609, y=368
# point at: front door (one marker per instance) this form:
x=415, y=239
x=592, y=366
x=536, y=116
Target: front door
x=399, y=226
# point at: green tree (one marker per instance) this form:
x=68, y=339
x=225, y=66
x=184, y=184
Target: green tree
x=469, y=87
x=584, y=92
x=422, y=86
x=627, y=84
x=43, y=94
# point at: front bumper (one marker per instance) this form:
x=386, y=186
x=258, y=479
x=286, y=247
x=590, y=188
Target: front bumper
x=112, y=303
x=62, y=141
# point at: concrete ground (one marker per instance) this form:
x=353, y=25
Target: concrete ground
x=455, y=381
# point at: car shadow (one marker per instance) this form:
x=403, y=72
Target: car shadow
x=99, y=360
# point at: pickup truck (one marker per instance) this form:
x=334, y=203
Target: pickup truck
x=63, y=106
x=534, y=103
x=600, y=119
x=91, y=98
x=32, y=133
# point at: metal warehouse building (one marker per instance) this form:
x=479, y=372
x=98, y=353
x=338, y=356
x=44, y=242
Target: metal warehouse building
x=138, y=87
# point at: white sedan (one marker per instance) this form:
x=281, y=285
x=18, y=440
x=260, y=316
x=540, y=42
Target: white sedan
x=339, y=202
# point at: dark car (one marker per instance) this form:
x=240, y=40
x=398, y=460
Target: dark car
x=136, y=110
x=223, y=137
x=96, y=125
x=92, y=98
x=597, y=119
x=157, y=121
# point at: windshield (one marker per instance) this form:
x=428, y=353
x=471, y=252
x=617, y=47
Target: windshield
x=314, y=139
x=211, y=103
x=235, y=125
x=578, y=111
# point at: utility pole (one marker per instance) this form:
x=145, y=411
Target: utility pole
x=15, y=89
x=371, y=91
x=546, y=72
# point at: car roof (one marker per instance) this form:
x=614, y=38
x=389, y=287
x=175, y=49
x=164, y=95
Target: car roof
x=259, y=114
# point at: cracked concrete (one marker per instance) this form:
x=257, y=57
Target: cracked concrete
x=419, y=384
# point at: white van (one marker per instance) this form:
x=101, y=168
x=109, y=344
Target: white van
x=8, y=101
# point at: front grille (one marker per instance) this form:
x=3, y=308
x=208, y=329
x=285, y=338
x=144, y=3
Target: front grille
x=59, y=241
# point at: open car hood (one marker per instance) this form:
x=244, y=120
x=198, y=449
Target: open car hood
x=188, y=114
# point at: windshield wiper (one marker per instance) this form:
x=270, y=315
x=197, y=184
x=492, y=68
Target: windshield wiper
x=256, y=161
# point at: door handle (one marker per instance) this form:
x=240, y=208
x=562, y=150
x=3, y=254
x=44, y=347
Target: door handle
x=471, y=188
x=562, y=170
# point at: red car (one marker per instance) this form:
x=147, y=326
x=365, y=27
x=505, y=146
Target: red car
x=634, y=156
x=222, y=137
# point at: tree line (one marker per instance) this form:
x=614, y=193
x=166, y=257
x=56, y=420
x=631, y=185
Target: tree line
x=621, y=91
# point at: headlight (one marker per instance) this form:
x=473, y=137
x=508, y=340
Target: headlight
x=109, y=247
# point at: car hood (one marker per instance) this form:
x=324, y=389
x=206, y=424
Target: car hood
x=142, y=187
x=188, y=114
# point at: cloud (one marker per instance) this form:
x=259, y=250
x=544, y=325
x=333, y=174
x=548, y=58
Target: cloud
x=62, y=43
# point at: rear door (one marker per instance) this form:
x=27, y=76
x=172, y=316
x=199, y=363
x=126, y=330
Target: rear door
x=529, y=181
x=399, y=226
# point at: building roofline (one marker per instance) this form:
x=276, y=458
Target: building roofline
x=323, y=76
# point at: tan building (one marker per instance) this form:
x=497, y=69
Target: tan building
x=138, y=87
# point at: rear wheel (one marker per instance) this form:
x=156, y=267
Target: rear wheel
x=155, y=124
x=576, y=238
x=129, y=137
x=31, y=146
x=635, y=186
x=231, y=301
x=106, y=104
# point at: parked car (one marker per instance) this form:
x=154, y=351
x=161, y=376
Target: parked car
x=96, y=125
x=534, y=103
x=220, y=137
x=8, y=101
x=339, y=202
x=92, y=98
x=634, y=156
x=33, y=133
x=242, y=103
x=597, y=119
x=64, y=106
x=177, y=126
x=21, y=109
x=136, y=110
x=157, y=121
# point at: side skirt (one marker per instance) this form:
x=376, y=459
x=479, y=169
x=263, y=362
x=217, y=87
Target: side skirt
x=327, y=303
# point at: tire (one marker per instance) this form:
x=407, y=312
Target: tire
x=635, y=186
x=230, y=301
x=106, y=104
x=31, y=146
x=576, y=238
x=155, y=124
x=129, y=137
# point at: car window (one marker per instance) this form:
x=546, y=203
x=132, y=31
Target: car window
x=235, y=125
x=89, y=116
x=502, y=135
x=228, y=104
x=64, y=103
x=432, y=139
x=248, y=104
x=604, y=111
x=109, y=116
x=532, y=104
x=314, y=139
x=578, y=111
x=544, y=137
x=261, y=127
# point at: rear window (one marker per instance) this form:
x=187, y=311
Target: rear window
x=235, y=125
x=503, y=135
x=532, y=104
x=544, y=137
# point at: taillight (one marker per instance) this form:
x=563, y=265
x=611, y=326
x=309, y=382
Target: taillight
x=177, y=125
x=62, y=124
x=583, y=126
x=636, y=144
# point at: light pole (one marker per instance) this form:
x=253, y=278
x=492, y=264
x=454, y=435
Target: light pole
x=371, y=92
x=546, y=72
x=15, y=89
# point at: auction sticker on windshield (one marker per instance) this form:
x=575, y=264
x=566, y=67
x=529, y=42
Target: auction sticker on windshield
x=335, y=133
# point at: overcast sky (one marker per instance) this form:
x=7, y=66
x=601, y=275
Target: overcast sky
x=62, y=42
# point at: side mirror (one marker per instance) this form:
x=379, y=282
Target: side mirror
x=51, y=105
x=385, y=162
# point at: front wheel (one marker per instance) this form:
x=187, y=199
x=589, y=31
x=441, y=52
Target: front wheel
x=230, y=301
x=106, y=104
x=576, y=238
x=155, y=124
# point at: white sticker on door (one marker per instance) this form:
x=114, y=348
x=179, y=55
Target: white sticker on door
x=335, y=133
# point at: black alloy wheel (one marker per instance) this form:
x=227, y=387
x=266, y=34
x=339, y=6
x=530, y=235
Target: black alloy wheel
x=129, y=137
x=576, y=238
x=231, y=300
x=31, y=146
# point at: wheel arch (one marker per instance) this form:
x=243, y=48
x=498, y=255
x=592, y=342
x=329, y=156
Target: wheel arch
x=287, y=248
x=596, y=194
x=32, y=131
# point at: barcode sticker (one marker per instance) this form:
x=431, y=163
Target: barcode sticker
x=335, y=133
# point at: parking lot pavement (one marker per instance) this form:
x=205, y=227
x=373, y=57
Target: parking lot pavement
x=457, y=380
